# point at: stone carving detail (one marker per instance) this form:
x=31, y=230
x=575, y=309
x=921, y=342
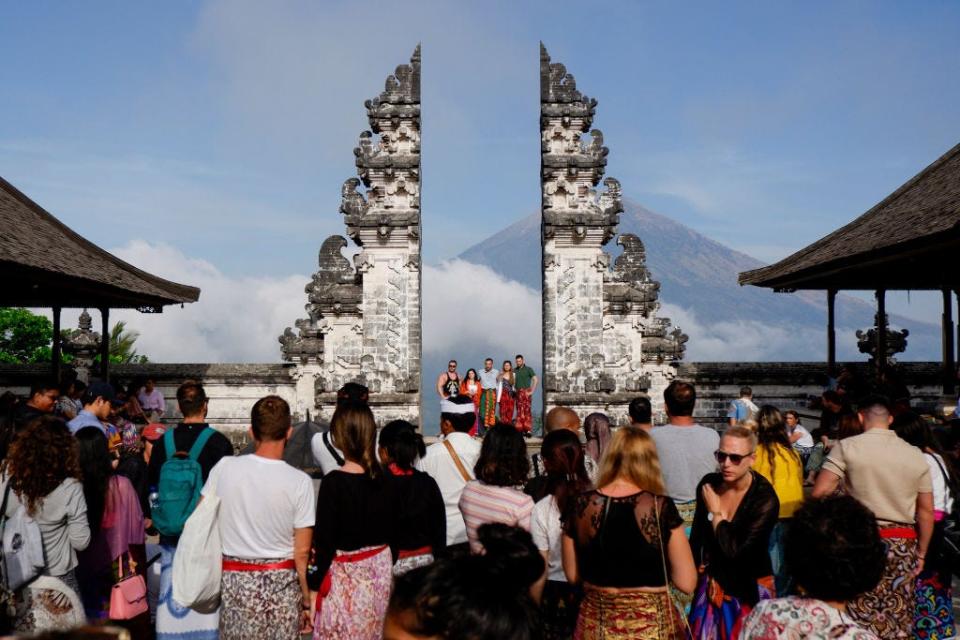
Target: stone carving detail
x=83, y=343
x=896, y=340
x=603, y=342
x=363, y=319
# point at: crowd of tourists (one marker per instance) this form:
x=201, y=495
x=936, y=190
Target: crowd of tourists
x=632, y=531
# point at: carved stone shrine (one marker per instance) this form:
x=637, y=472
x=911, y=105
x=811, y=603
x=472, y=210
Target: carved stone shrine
x=603, y=343
x=363, y=319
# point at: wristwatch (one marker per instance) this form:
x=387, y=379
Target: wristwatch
x=713, y=515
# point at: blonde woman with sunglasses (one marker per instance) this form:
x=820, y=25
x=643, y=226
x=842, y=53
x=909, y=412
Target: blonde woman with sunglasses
x=736, y=512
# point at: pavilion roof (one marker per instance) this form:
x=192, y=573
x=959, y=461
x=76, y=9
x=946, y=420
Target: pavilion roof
x=44, y=263
x=909, y=240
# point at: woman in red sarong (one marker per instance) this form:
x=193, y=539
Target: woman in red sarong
x=506, y=394
x=471, y=388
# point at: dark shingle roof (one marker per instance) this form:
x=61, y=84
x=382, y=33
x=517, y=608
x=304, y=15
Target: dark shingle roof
x=921, y=216
x=44, y=263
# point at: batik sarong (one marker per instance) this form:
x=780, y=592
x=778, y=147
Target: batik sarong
x=413, y=559
x=628, y=613
x=717, y=615
x=48, y=604
x=559, y=609
x=352, y=602
x=524, y=422
x=259, y=603
x=174, y=621
x=488, y=409
x=888, y=609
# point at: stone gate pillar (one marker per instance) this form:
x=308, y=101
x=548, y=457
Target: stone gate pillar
x=364, y=319
x=602, y=342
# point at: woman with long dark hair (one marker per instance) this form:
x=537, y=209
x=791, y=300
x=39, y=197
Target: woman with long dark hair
x=354, y=535
x=116, y=524
x=42, y=474
x=596, y=430
x=495, y=495
x=778, y=462
x=471, y=387
x=421, y=527
x=566, y=474
x=934, y=613
x=507, y=393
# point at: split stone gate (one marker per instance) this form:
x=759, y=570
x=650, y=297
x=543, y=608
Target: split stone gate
x=603, y=343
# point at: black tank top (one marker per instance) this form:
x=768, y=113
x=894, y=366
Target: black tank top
x=452, y=386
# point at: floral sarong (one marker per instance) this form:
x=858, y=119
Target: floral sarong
x=717, y=615
x=488, y=409
x=888, y=609
x=174, y=621
x=934, y=616
x=259, y=603
x=524, y=420
x=48, y=604
x=628, y=613
x=352, y=602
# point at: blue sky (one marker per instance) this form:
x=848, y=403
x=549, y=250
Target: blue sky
x=225, y=129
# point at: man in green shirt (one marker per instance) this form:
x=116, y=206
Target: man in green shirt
x=525, y=382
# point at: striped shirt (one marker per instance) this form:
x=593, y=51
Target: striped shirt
x=483, y=503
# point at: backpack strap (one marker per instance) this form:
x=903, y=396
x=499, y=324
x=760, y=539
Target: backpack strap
x=169, y=446
x=200, y=442
x=325, y=438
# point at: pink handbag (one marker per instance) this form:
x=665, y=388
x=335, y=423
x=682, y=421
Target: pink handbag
x=128, y=598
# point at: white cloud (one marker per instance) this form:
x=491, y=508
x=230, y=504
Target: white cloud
x=744, y=341
x=468, y=309
x=235, y=320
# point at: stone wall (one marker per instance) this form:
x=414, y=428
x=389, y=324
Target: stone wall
x=233, y=388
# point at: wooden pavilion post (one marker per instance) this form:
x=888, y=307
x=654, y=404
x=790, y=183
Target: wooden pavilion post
x=881, y=351
x=831, y=332
x=104, y=343
x=949, y=364
x=55, y=355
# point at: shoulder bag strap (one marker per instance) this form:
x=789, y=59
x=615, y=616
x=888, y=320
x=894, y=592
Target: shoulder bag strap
x=456, y=461
x=325, y=438
x=3, y=507
x=946, y=476
x=201, y=440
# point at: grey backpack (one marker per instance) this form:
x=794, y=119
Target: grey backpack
x=21, y=546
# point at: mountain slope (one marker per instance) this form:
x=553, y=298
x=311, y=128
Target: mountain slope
x=698, y=279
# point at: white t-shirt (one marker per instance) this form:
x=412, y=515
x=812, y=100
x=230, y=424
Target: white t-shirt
x=321, y=453
x=546, y=532
x=942, y=500
x=806, y=440
x=441, y=467
x=261, y=502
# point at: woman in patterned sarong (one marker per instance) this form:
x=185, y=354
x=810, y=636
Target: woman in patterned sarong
x=353, y=535
x=471, y=388
x=934, y=615
x=506, y=394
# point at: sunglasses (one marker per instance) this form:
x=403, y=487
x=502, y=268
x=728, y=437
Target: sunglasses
x=735, y=458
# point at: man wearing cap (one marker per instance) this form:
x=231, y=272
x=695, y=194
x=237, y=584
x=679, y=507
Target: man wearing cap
x=450, y=462
x=97, y=401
